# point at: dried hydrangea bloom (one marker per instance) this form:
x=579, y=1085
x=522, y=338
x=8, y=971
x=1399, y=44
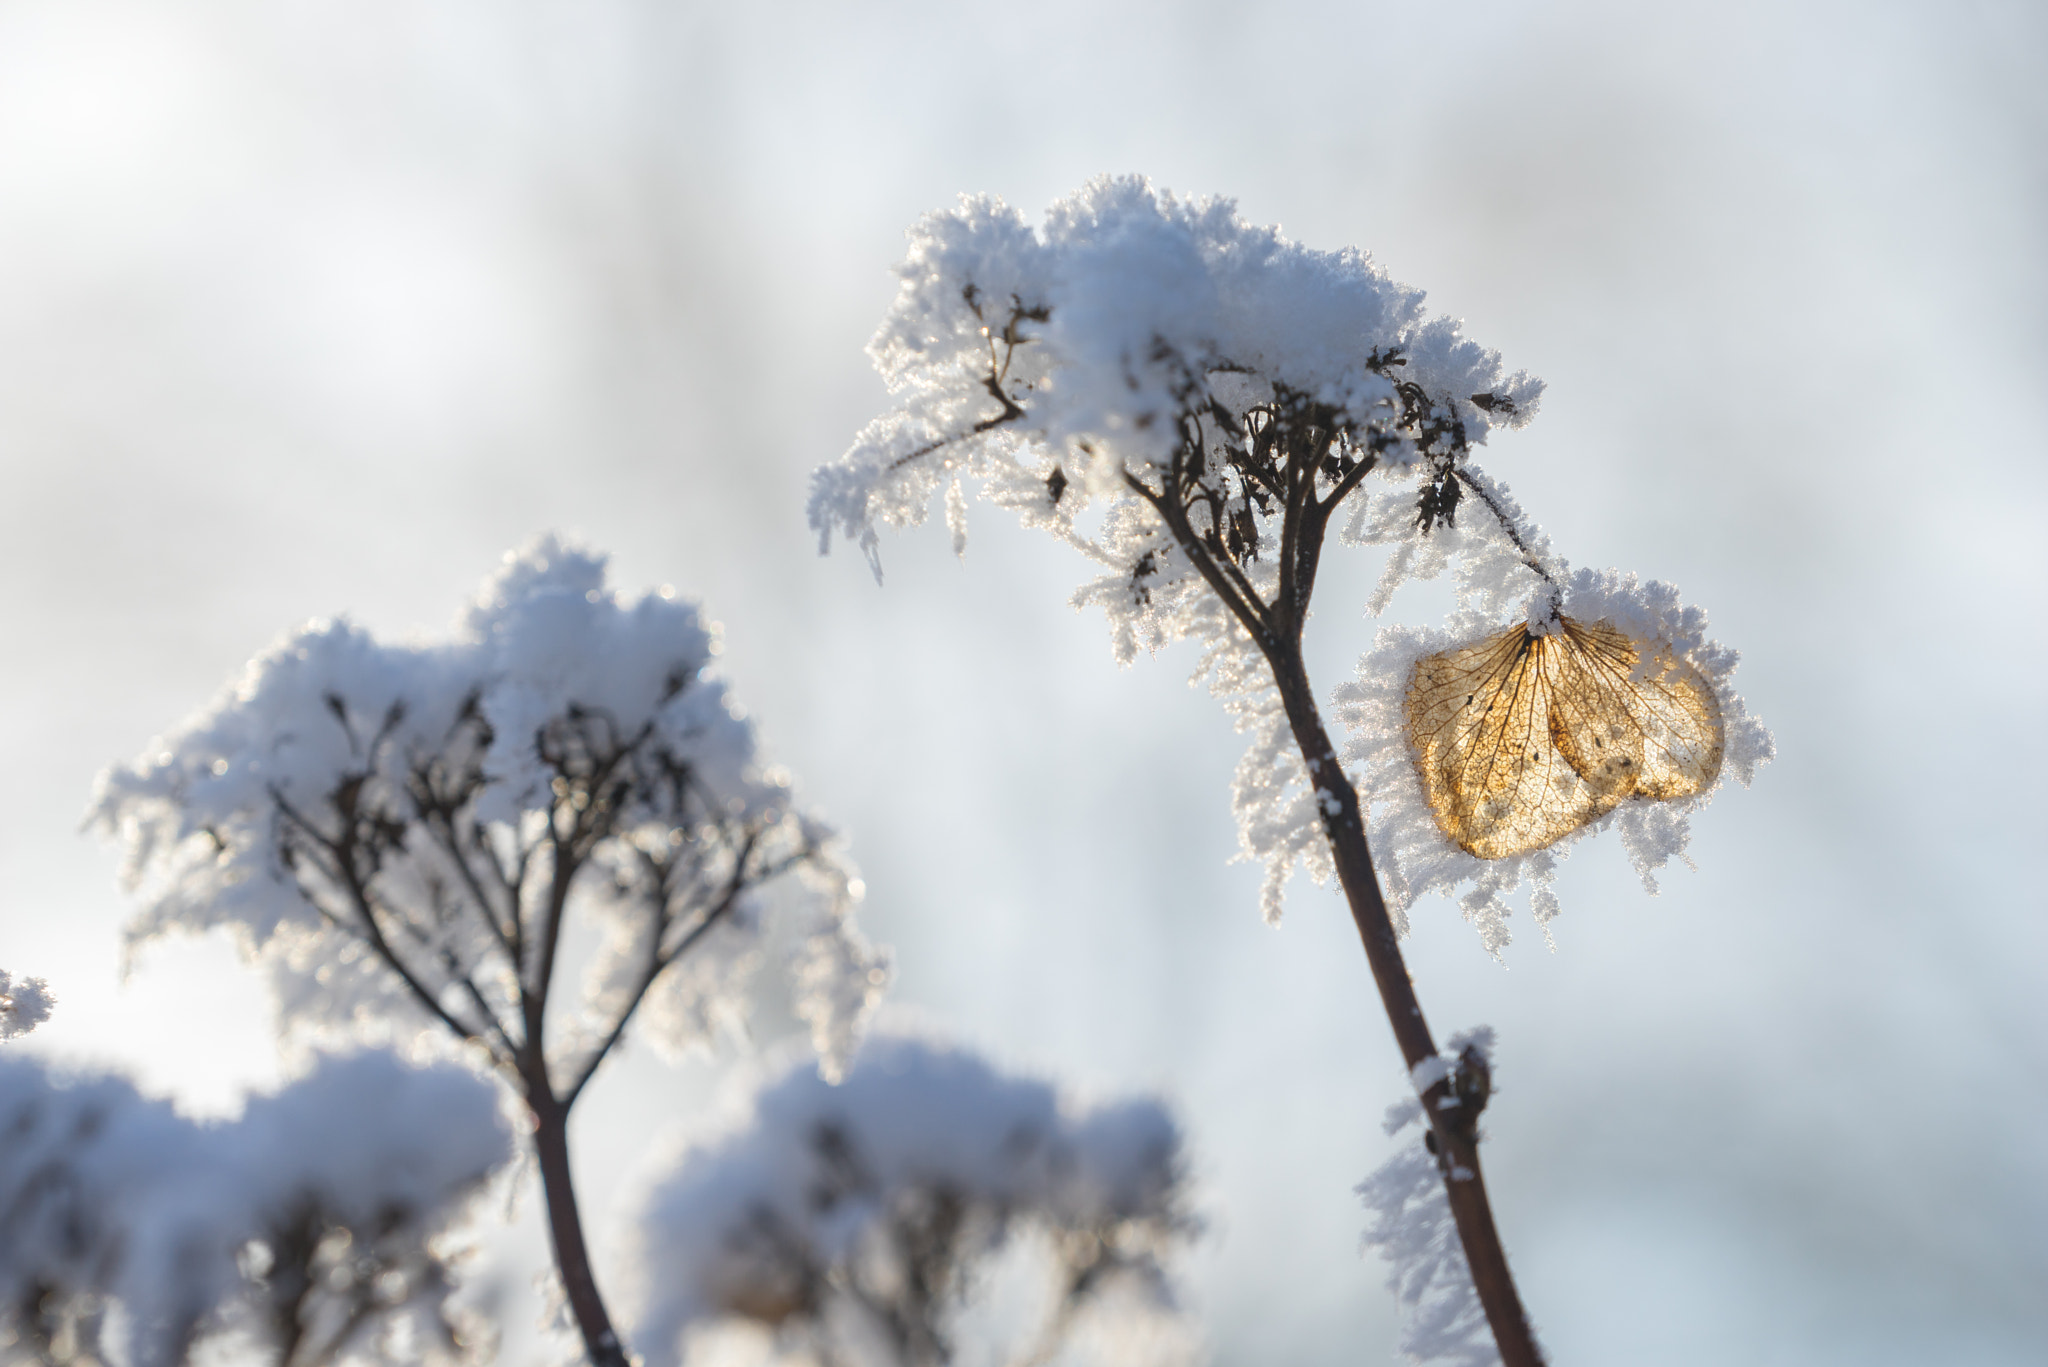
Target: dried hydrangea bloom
x=1487, y=749
x=1522, y=738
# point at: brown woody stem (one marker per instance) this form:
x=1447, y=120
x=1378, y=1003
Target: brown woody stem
x=1276, y=627
x=565, y=1230
x=1455, y=1128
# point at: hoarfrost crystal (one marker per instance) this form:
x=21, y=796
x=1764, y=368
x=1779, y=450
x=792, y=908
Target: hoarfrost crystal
x=1411, y=1227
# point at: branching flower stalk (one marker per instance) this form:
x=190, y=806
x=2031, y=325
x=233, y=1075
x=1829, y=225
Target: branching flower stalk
x=1188, y=400
x=1295, y=460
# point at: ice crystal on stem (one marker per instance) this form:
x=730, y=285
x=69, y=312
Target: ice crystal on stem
x=1411, y=1227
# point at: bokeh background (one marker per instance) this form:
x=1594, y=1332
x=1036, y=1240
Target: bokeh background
x=316, y=307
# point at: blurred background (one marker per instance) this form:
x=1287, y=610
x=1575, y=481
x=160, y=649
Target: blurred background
x=310, y=308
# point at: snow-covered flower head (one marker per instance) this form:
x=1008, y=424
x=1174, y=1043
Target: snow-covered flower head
x=1060, y=359
x=352, y=803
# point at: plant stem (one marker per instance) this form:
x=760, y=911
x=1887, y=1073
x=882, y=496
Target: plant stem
x=1456, y=1131
x=1276, y=627
x=565, y=1228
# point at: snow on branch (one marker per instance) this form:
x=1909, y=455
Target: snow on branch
x=399, y=831
x=311, y=1226
x=850, y=1221
x=24, y=1004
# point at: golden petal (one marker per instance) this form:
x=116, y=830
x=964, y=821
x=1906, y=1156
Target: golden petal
x=1522, y=739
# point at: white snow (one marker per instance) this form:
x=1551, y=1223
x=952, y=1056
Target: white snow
x=1429, y=1072
x=1124, y=299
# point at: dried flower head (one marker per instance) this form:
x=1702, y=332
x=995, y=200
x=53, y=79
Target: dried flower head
x=1522, y=738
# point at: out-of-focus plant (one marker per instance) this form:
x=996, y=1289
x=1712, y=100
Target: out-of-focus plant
x=311, y=1230
x=403, y=834
x=850, y=1223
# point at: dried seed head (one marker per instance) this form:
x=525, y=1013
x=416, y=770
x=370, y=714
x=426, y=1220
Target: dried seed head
x=1522, y=739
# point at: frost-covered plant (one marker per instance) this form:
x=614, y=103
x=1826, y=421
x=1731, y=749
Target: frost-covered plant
x=24, y=1004
x=403, y=834
x=849, y=1224
x=309, y=1229
x=1190, y=401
